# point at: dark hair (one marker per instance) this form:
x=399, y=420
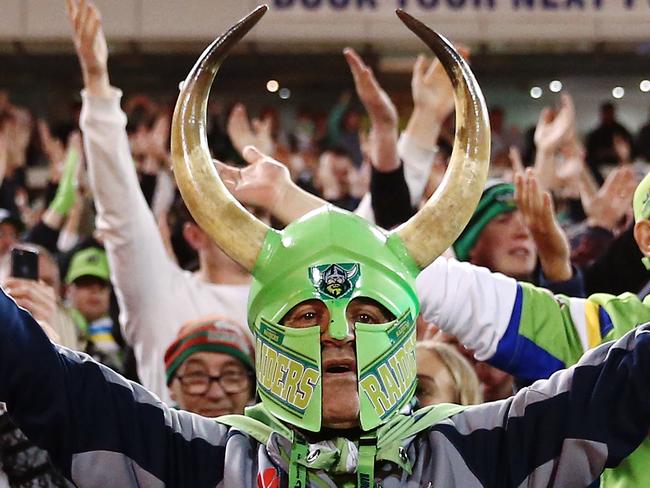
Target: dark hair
x=606, y=106
x=338, y=150
x=139, y=116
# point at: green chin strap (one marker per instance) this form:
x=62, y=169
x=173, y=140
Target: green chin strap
x=308, y=261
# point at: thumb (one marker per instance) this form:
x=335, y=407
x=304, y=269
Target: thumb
x=253, y=155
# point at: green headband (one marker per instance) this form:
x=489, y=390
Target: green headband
x=496, y=199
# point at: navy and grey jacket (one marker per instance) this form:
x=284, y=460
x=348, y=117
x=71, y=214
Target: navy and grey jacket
x=104, y=431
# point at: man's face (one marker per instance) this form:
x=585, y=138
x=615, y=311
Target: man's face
x=341, y=166
x=196, y=389
x=338, y=356
x=506, y=246
x=8, y=237
x=90, y=296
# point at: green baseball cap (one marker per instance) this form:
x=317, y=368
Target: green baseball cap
x=641, y=206
x=498, y=197
x=91, y=261
x=641, y=201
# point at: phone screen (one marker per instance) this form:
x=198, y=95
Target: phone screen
x=24, y=264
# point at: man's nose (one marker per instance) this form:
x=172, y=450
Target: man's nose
x=337, y=333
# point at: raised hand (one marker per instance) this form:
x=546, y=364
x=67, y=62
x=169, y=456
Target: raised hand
x=608, y=206
x=431, y=87
x=243, y=133
x=266, y=183
x=378, y=104
x=36, y=297
x=537, y=209
x=433, y=101
x=18, y=129
x=261, y=184
x=382, y=113
x=90, y=43
x=555, y=127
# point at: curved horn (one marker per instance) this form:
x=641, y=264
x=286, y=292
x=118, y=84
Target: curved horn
x=237, y=232
x=436, y=226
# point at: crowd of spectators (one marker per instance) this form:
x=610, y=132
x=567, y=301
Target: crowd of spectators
x=126, y=275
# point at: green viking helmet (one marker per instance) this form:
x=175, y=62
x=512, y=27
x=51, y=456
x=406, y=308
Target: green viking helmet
x=329, y=254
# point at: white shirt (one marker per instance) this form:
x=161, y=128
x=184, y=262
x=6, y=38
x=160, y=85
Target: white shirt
x=155, y=295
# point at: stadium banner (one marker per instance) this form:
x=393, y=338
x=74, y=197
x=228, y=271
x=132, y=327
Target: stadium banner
x=343, y=21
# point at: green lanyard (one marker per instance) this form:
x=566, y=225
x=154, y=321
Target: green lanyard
x=298, y=471
x=365, y=466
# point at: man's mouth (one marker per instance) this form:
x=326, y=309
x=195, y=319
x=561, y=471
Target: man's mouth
x=339, y=366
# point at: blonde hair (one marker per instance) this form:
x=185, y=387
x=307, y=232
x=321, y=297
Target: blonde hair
x=460, y=370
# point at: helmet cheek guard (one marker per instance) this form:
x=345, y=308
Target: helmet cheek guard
x=386, y=369
x=330, y=254
x=288, y=372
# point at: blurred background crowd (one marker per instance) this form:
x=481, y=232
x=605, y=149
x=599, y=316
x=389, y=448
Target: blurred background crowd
x=125, y=274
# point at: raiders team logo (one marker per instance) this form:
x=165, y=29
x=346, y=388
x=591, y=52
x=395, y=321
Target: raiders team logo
x=335, y=280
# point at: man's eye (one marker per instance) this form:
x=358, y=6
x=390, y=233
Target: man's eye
x=309, y=316
x=365, y=318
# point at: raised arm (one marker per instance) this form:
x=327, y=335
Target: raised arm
x=141, y=270
x=87, y=416
x=517, y=327
x=381, y=111
x=390, y=197
x=563, y=431
x=553, y=129
x=537, y=209
x=433, y=102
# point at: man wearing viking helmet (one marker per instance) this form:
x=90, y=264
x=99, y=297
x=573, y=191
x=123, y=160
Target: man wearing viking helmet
x=335, y=375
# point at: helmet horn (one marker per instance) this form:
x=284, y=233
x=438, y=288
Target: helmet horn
x=436, y=226
x=231, y=226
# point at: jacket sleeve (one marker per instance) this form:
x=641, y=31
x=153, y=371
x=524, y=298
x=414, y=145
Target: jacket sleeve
x=391, y=201
x=86, y=415
x=563, y=431
x=519, y=328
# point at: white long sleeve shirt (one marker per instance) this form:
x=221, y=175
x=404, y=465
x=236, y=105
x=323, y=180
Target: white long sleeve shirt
x=156, y=297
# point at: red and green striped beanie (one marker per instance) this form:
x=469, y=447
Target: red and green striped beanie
x=208, y=335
